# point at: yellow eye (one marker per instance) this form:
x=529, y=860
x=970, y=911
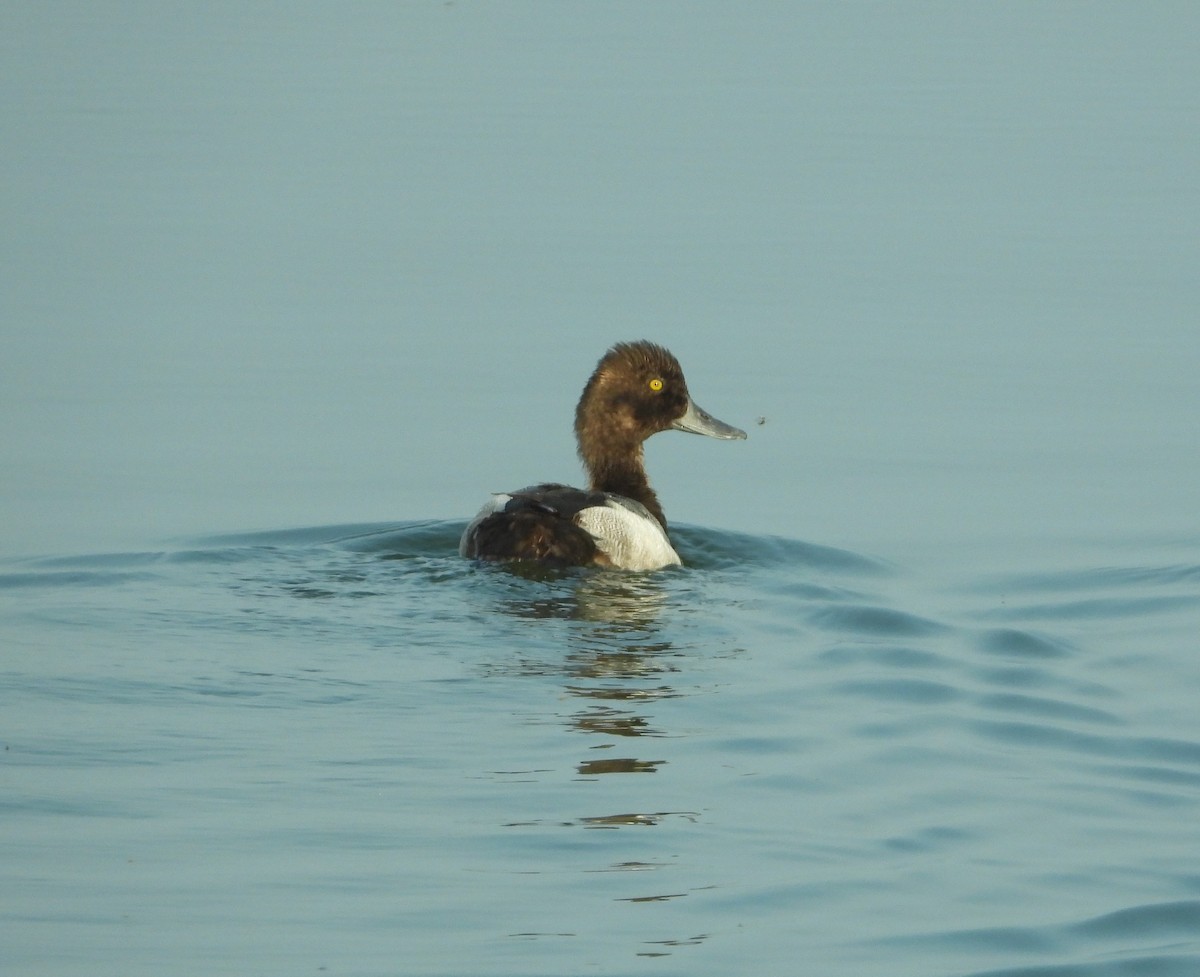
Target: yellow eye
x=656, y=385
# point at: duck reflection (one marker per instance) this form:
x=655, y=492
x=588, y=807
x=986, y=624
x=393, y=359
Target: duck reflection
x=628, y=602
x=616, y=645
x=614, y=722
x=616, y=659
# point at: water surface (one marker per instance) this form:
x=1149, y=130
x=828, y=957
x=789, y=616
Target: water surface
x=345, y=749
x=284, y=295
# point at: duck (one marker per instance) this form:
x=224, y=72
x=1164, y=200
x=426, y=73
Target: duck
x=636, y=391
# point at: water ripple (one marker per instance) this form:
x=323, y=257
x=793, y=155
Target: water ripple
x=876, y=621
x=1018, y=644
x=808, y=743
x=1127, y=933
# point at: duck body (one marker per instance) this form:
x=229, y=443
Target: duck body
x=636, y=390
x=558, y=524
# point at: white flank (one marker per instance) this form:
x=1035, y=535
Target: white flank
x=630, y=540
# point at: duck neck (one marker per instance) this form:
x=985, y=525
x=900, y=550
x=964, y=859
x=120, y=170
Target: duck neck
x=626, y=477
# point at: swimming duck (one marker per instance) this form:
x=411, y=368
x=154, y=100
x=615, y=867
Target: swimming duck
x=637, y=390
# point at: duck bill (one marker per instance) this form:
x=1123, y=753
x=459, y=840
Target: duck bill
x=696, y=420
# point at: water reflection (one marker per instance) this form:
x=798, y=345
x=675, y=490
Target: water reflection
x=613, y=722
x=613, y=648
x=627, y=602
x=619, y=765
x=627, y=820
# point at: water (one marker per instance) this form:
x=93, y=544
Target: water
x=346, y=750
x=282, y=299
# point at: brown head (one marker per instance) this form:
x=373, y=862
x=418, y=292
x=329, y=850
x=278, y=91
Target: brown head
x=637, y=390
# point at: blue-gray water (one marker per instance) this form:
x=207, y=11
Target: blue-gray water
x=346, y=750
x=284, y=292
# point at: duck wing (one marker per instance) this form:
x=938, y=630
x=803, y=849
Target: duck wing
x=535, y=523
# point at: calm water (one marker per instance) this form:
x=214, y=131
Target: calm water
x=346, y=750
x=284, y=294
